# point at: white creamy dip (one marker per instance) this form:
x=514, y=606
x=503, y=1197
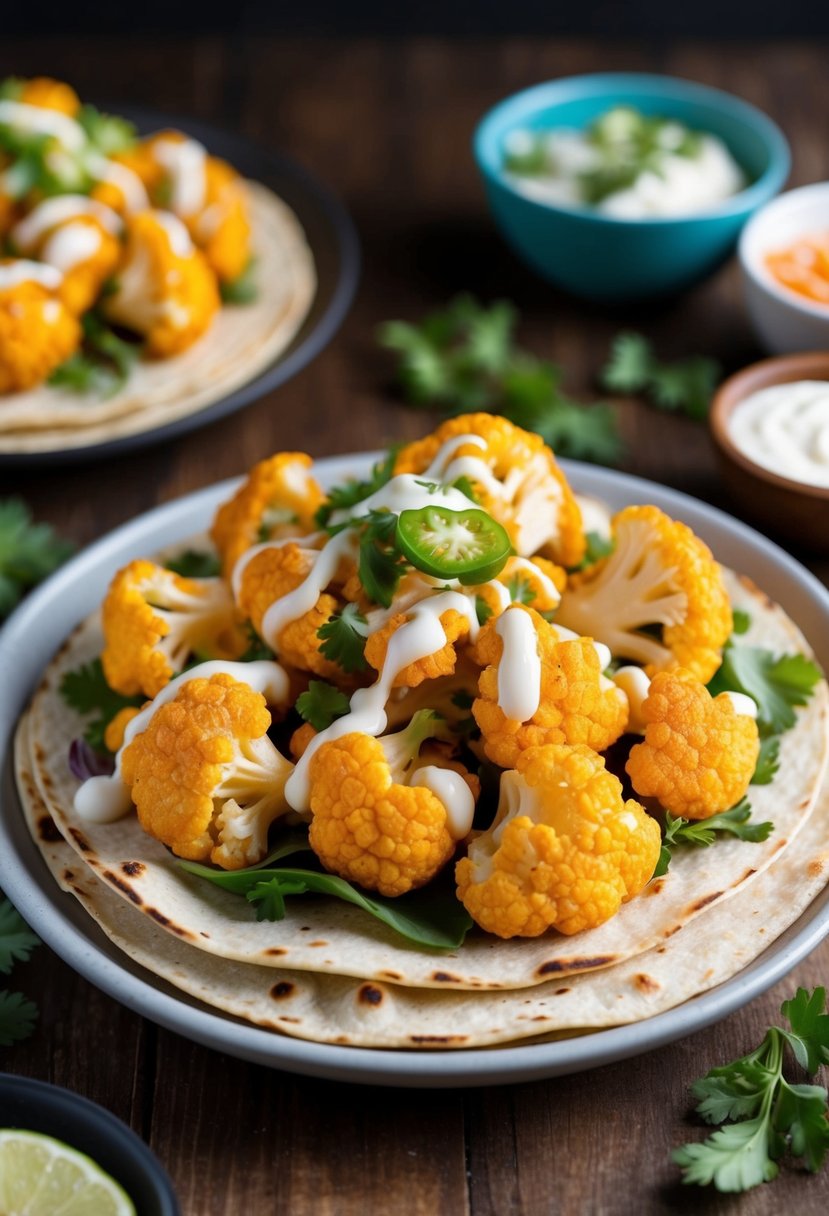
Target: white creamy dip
x=785, y=428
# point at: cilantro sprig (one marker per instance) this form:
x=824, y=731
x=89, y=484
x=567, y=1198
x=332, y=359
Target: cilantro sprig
x=244, y=289
x=703, y=832
x=29, y=552
x=464, y=358
x=85, y=690
x=321, y=704
x=761, y=1115
x=684, y=386
x=102, y=365
x=341, y=498
x=778, y=683
x=343, y=638
x=17, y=1014
x=195, y=563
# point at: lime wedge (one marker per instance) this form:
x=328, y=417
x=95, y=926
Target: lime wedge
x=40, y=1176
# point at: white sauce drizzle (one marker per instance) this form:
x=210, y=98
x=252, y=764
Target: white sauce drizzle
x=54, y=211
x=302, y=599
x=177, y=234
x=21, y=271
x=184, y=160
x=537, y=575
x=449, y=788
x=635, y=685
x=70, y=245
x=105, y=799
x=785, y=428
x=519, y=671
x=743, y=704
x=278, y=543
x=38, y=121
x=124, y=179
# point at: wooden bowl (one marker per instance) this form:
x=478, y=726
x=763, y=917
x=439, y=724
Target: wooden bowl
x=791, y=509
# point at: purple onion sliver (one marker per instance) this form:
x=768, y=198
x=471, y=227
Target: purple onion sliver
x=85, y=762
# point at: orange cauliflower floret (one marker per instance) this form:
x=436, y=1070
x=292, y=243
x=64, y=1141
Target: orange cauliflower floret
x=659, y=574
x=164, y=289
x=370, y=823
x=205, y=777
x=154, y=620
x=519, y=482
x=536, y=582
x=116, y=728
x=577, y=705
x=430, y=666
x=279, y=498
x=699, y=753
x=37, y=332
x=79, y=237
x=221, y=228
x=47, y=94
x=267, y=577
x=565, y=850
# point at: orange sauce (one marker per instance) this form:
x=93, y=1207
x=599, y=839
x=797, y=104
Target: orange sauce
x=803, y=267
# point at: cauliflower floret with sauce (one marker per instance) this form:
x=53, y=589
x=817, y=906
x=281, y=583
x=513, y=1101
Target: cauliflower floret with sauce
x=164, y=289
x=699, y=753
x=37, y=331
x=204, y=776
x=659, y=575
x=154, y=620
x=428, y=667
x=565, y=850
x=79, y=237
x=278, y=499
x=46, y=94
x=575, y=704
x=519, y=482
x=536, y=582
x=376, y=821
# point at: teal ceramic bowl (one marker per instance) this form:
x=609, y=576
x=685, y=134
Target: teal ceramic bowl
x=608, y=259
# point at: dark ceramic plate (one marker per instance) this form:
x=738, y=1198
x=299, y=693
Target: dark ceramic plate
x=333, y=241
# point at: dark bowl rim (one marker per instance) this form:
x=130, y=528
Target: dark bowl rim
x=758, y=192
x=780, y=369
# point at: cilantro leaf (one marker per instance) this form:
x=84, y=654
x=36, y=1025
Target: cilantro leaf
x=735, y=1158
x=28, y=553
x=195, y=563
x=268, y=896
x=102, y=365
x=741, y=621
x=482, y=610
x=16, y=938
x=85, y=690
x=686, y=385
x=244, y=289
x=321, y=704
x=776, y=683
x=768, y=761
x=343, y=638
x=801, y=1112
x=703, y=832
x=17, y=1018
x=521, y=589
x=340, y=498
x=809, y=1035
x=598, y=546
x=629, y=366
x=106, y=132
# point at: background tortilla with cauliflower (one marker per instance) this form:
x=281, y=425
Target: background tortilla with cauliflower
x=331, y=938
x=242, y=341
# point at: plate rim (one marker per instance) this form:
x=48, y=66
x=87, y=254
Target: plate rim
x=505, y=1064
x=286, y=365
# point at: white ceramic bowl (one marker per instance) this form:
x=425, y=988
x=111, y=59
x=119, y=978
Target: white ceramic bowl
x=784, y=321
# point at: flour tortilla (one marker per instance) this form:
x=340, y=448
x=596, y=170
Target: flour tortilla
x=328, y=937
x=346, y=1011
x=242, y=341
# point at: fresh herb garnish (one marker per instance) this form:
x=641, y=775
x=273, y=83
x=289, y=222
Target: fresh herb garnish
x=29, y=552
x=341, y=498
x=762, y=1114
x=684, y=386
x=768, y=761
x=380, y=564
x=521, y=590
x=17, y=1014
x=195, y=563
x=464, y=358
x=741, y=621
x=244, y=289
x=257, y=650
x=321, y=704
x=343, y=638
x=102, y=365
x=85, y=689
x=703, y=832
x=777, y=683
x=483, y=611
x=107, y=133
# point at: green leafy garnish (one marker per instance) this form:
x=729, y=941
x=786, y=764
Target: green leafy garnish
x=703, y=832
x=768, y=761
x=107, y=133
x=321, y=704
x=244, y=289
x=684, y=386
x=341, y=498
x=17, y=1014
x=521, y=590
x=256, y=648
x=464, y=358
x=85, y=689
x=769, y=1115
x=102, y=365
x=17, y=1018
x=432, y=918
x=598, y=546
x=195, y=563
x=343, y=638
x=28, y=553
x=380, y=563
x=776, y=683
x=482, y=610
x=741, y=621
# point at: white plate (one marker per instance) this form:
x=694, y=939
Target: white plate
x=38, y=628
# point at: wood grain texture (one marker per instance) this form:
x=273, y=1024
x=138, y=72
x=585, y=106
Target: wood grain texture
x=387, y=125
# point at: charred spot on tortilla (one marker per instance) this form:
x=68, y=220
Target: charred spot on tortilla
x=670, y=932
x=166, y=923
x=367, y=994
x=318, y=943
x=125, y=887
x=291, y=1021
x=389, y=975
x=654, y=887
x=438, y=1038
x=47, y=830
x=68, y=876
x=446, y=977
x=555, y=966
x=133, y=869
x=282, y=989
x=561, y=991
x=699, y=904
x=275, y=951
x=815, y=868
x=646, y=983
x=80, y=840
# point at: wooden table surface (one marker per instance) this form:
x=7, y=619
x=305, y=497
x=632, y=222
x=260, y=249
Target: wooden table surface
x=387, y=125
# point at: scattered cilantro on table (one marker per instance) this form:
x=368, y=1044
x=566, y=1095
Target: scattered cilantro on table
x=703, y=832
x=464, y=358
x=85, y=689
x=761, y=1114
x=684, y=386
x=17, y=1014
x=28, y=553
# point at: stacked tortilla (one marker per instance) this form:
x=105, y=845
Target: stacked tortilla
x=332, y=974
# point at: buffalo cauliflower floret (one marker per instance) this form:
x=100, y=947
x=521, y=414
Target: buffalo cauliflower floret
x=154, y=620
x=536, y=582
x=517, y=481
x=659, y=575
x=370, y=823
x=576, y=705
x=565, y=850
x=48, y=94
x=37, y=331
x=204, y=776
x=279, y=498
x=164, y=290
x=116, y=728
x=79, y=237
x=430, y=666
x=699, y=753
x=221, y=228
